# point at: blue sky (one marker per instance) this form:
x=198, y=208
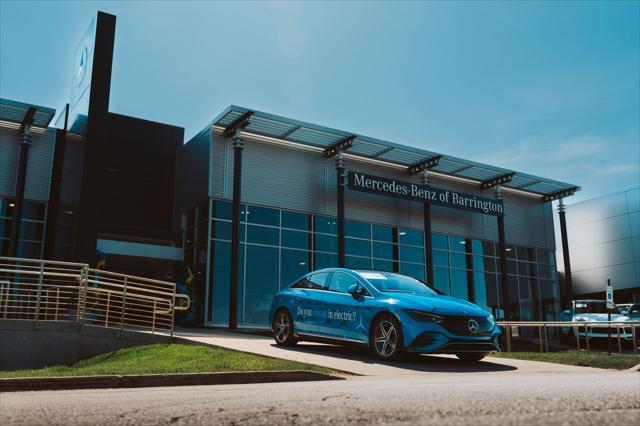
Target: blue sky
x=546, y=88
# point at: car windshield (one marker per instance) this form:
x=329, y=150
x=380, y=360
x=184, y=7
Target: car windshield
x=594, y=308
x=390, y=282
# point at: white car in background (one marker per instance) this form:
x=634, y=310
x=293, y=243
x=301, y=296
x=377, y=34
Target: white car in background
x=594, y=312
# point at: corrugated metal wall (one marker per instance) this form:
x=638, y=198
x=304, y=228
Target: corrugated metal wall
x=296, y=179
x=39, y=165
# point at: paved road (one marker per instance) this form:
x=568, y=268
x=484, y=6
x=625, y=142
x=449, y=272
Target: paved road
x=458, y=398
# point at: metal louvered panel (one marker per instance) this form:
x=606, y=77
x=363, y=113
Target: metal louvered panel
x=38, y=166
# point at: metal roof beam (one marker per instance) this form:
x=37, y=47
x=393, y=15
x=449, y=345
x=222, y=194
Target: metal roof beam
x=497, y=180
x=239, y=123
x=563, y=193
x=288, y=132
x=27, y=121
x=425, y=164
x=460, y=169
x=342, y=145
x=382, y=152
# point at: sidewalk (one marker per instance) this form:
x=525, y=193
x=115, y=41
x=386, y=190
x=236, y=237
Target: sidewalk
x=356, y=360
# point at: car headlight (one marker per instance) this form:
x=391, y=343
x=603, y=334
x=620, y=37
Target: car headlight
x=491, y=320
x=424, y=316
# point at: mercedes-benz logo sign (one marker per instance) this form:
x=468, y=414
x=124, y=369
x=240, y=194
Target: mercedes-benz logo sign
x=473, y=326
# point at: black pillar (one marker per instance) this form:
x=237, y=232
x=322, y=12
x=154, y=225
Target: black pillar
x=502, y=253
x=568, y=283
x=428, y=249
x=238, y=145
x=340, y=212
x=21, y=179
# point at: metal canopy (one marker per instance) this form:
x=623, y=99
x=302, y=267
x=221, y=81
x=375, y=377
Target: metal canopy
x=16, y=112
x=299, y=132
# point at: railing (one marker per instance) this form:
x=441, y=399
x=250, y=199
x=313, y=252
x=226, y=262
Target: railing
x=44, y=290
x=618, y=330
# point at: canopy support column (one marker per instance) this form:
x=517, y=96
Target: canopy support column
x=428, y=249
x=502, y=252
x=238, y=146
x=340, y=207
x=568, y=283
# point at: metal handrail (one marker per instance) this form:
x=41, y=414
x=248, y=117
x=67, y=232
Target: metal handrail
x=44, y=290
x=576, y=325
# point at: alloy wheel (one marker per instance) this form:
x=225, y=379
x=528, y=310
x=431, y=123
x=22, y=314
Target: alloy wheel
x=386, y=338
x=282, y=326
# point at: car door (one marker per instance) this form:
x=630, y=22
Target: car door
x=347, y=316
x=306, y=310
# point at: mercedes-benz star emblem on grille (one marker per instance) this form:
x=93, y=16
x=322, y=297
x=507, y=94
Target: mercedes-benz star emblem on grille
x=473, y=326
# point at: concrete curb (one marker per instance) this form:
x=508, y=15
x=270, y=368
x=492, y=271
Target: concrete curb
x=154, y=380
x=634, y=368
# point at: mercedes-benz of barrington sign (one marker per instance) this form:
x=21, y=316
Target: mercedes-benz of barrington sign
x=424, y=193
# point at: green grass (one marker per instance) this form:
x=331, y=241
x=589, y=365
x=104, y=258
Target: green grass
x=584, y=359
x=165, y=358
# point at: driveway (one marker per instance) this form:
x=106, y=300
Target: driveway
x=356, y=360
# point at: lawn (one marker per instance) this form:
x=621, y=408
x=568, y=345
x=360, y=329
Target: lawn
x=165, y=358
x=584, y=359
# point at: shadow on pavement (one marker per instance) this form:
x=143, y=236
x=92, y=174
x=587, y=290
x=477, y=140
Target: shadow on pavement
x=416, y=362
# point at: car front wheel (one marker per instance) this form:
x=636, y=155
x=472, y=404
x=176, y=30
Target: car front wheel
x=282, y=328
x=386, y=338
x=471, y=356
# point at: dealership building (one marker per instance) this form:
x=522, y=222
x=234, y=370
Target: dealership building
x=255, y=200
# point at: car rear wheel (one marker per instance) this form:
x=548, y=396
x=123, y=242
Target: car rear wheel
x=386, y=338
x=282, y=328
x=471, y=356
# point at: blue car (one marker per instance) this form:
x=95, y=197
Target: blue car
x=388, y=312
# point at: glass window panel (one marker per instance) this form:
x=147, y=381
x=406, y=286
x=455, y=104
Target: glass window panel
x=325, y=224
x=511, y=267
x=28, y=250
x=263, y=235
x=293, y=264
x=296, y=239
x=439, y=241
x=357, y=262
x=514, y=298
x=488, y=248
x=411, y=237
x=295, y=220
x=357, y=247
x=326, y=243
x=33, y=210
x=412, y=270
x=490, y=264
x=478, y=263
x=261, y=283
x=511, y=251
x=459, y=260
x=545, y=271
x=521, y=252
x=457, y=244
x=411, y=254
x=383, y=250
x=222, y=209
x=382, y=233
x=356, y=229
x=31, y=230
x=323, y=260
x=459, y=284
x=340, y=282
x=382, y=265
x=440, y=258
x=526, y=268
x=546, y=256
x=263, y=216
x=220, y=277
x=222, y=230
x=480, y=290
x=441, y=279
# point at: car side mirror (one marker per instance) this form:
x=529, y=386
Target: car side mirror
x=355, y=290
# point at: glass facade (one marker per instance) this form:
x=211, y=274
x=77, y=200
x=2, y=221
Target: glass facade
x=32, y=228
x=277, y=246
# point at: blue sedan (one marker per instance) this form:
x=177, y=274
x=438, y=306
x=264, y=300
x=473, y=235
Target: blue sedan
x=388, y=312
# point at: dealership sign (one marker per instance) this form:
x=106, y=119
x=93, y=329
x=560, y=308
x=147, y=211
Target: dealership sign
x=424, y=194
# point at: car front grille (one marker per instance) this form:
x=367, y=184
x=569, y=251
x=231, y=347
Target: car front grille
x=459, y=325
x=469, y=347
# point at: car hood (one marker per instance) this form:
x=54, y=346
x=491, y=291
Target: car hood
x=435, y=303
x=601, y=317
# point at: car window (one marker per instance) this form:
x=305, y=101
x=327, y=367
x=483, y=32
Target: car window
x=635, y=309
x=340, y=282
x=315, y=281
